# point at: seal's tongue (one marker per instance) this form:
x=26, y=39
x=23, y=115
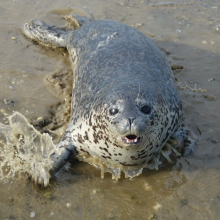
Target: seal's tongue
x=131, y=139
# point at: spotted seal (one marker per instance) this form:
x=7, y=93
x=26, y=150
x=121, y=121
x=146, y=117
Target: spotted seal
x=126, y=111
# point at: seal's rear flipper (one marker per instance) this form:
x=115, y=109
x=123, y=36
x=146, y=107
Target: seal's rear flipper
x=76, y=20
x=44, y=33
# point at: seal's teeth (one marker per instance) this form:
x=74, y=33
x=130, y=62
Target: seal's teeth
x=129, y=139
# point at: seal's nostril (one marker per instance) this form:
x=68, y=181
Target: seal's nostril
x=131, y=120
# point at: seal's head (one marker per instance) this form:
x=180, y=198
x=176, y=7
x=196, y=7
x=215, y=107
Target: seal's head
x=136, y=125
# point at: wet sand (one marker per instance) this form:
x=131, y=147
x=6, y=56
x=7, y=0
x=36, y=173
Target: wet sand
x=187, y=189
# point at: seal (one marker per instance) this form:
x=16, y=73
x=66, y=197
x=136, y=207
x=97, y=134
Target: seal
x=126, y=111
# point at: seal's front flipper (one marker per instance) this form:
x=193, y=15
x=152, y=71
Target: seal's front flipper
x=67, y=148
x=44, y=33
x=184, y=144
x=189, y=146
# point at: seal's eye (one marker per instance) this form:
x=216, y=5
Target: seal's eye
x=146, y=109
x=113, y=111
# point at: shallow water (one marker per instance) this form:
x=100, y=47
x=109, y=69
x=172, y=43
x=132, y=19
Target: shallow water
x=187, y=189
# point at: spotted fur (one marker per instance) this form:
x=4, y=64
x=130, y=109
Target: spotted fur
x=116, y=67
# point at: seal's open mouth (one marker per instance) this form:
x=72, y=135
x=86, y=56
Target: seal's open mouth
x=131, y=139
